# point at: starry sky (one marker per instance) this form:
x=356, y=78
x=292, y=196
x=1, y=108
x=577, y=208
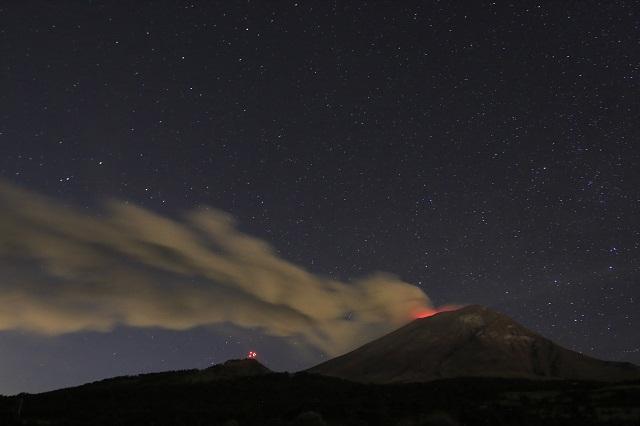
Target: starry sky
x=482, y=151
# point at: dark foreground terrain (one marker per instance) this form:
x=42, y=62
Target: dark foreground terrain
x=182, y=398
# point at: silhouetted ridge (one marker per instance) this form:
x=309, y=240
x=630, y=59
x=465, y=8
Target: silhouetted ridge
x=231, y=369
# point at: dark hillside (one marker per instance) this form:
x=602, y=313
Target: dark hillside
x=280, y=398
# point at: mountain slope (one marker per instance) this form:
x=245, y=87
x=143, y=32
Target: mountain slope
x=470, y=342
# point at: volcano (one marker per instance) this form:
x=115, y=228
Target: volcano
x=470, y=342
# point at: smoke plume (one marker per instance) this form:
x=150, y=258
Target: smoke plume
x=65, y=270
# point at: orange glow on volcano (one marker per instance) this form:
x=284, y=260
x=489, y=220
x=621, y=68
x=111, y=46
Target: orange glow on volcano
x=428, y=312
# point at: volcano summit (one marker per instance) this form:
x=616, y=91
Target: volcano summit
x=473, y=341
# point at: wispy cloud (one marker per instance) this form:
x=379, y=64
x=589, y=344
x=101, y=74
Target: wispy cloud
x=65, y=271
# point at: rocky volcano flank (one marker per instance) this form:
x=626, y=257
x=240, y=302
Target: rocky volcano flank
x=470, y=342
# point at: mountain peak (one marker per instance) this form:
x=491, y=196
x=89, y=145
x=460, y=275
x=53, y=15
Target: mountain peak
x=471, y=318
x=238, y=367
x=468, y=313
x=242, y=363
x=471, y=341
x=473, y=310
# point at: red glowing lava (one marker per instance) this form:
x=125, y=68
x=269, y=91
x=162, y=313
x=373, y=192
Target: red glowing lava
x=252, y=355
x=428, y=312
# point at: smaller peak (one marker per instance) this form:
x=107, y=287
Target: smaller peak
x=239, y=367
x=243, y=362
x=251, y=364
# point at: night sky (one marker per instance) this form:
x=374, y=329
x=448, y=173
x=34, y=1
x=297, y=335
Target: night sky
x=485, y=152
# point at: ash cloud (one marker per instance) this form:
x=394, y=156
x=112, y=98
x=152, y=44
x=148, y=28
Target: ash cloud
x=66, y=271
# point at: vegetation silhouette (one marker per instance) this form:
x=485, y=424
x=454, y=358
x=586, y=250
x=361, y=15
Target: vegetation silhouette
x=174, y=398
